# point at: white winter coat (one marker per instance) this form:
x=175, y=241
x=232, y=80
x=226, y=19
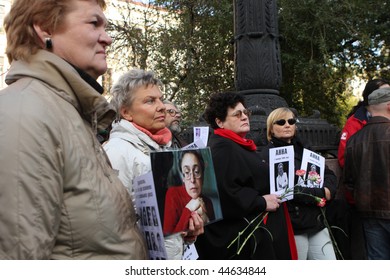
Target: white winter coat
x=129, y=149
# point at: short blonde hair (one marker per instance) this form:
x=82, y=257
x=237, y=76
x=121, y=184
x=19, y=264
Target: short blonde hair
x=279, y=113
x=22, y=40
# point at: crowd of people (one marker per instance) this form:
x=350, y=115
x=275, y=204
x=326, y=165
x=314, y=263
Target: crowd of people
x=68, y=194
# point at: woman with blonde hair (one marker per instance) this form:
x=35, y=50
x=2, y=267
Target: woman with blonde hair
x=311, y=236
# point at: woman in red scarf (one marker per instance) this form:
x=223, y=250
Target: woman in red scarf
x=243, y=185
x=138, y=130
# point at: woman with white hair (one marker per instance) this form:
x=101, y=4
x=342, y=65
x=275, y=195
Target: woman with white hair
x=139, y=129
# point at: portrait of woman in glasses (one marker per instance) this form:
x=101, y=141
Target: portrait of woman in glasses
x=243, y=186
x=310, y=234
x=181, y=201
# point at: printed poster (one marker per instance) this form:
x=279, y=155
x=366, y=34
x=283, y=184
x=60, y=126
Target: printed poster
x=181, y=181
x=313, y=162
x=147, y=210
x=185, y=182
x=201, y=133
x=195, y=145
x=281, y=166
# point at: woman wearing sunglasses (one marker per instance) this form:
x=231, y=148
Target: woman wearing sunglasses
x=243, y=186
x=311, y=236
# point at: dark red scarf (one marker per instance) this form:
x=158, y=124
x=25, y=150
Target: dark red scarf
x=290, y=233
x=227, y=133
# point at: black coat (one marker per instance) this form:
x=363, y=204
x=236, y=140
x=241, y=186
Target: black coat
x=304, y=213
x=367, y=168
x=242, y=180
x=177, y=141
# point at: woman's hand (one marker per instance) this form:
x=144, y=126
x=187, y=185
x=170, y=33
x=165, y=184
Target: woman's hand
x=328, y=195
x=273, y=202
x=193, y=205
x=195, y=228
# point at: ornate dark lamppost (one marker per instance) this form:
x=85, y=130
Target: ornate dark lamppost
x=258, y=74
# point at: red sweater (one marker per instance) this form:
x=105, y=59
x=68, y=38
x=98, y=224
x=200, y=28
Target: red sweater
x=176, y=215
x=353, y=125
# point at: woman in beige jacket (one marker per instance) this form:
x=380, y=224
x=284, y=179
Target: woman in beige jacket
x=59, y=197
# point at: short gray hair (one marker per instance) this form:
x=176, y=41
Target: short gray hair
x=123, y=90
x=171, y=102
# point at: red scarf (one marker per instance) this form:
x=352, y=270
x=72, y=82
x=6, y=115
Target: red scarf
x=227, y=133
x=162, y=137
x=290, y=233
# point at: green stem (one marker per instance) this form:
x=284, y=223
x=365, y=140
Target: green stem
x=249, y=236
x=251, y=222
x=332, y=238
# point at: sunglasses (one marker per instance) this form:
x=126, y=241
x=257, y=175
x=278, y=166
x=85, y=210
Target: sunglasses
x=238, y=113
x=172, y=112
x=283, y=122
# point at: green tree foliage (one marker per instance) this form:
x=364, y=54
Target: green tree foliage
x=324, y=45
x=189, y=50
x=196, y=58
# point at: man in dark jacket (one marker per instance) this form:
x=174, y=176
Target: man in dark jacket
x=366, y=173
x=173, y=121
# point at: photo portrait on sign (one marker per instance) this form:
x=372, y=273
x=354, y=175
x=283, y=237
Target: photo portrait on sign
x=281, y=167
x=311, y=167
x=281, y=180
x=314, y=165
x=188, y=185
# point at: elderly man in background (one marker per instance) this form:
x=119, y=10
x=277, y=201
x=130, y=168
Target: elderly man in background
x=173, y=121
x=366, y=173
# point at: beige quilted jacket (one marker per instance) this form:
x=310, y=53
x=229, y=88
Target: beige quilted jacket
x=59, y=198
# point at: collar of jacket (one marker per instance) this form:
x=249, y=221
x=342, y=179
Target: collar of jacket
x=125, y=130
x=276, y=142
x=66, y=82
x=296, y=142
x=361, y=114
x=91, y=81
x=280, y=143
x=378, y=119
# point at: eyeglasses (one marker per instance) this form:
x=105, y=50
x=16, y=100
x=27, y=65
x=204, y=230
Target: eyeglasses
x=172, y=112
x=196, y=172
x=238, y=113
x=283, y=122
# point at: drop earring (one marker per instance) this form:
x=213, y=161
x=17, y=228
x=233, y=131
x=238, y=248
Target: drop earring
x=48, y=43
